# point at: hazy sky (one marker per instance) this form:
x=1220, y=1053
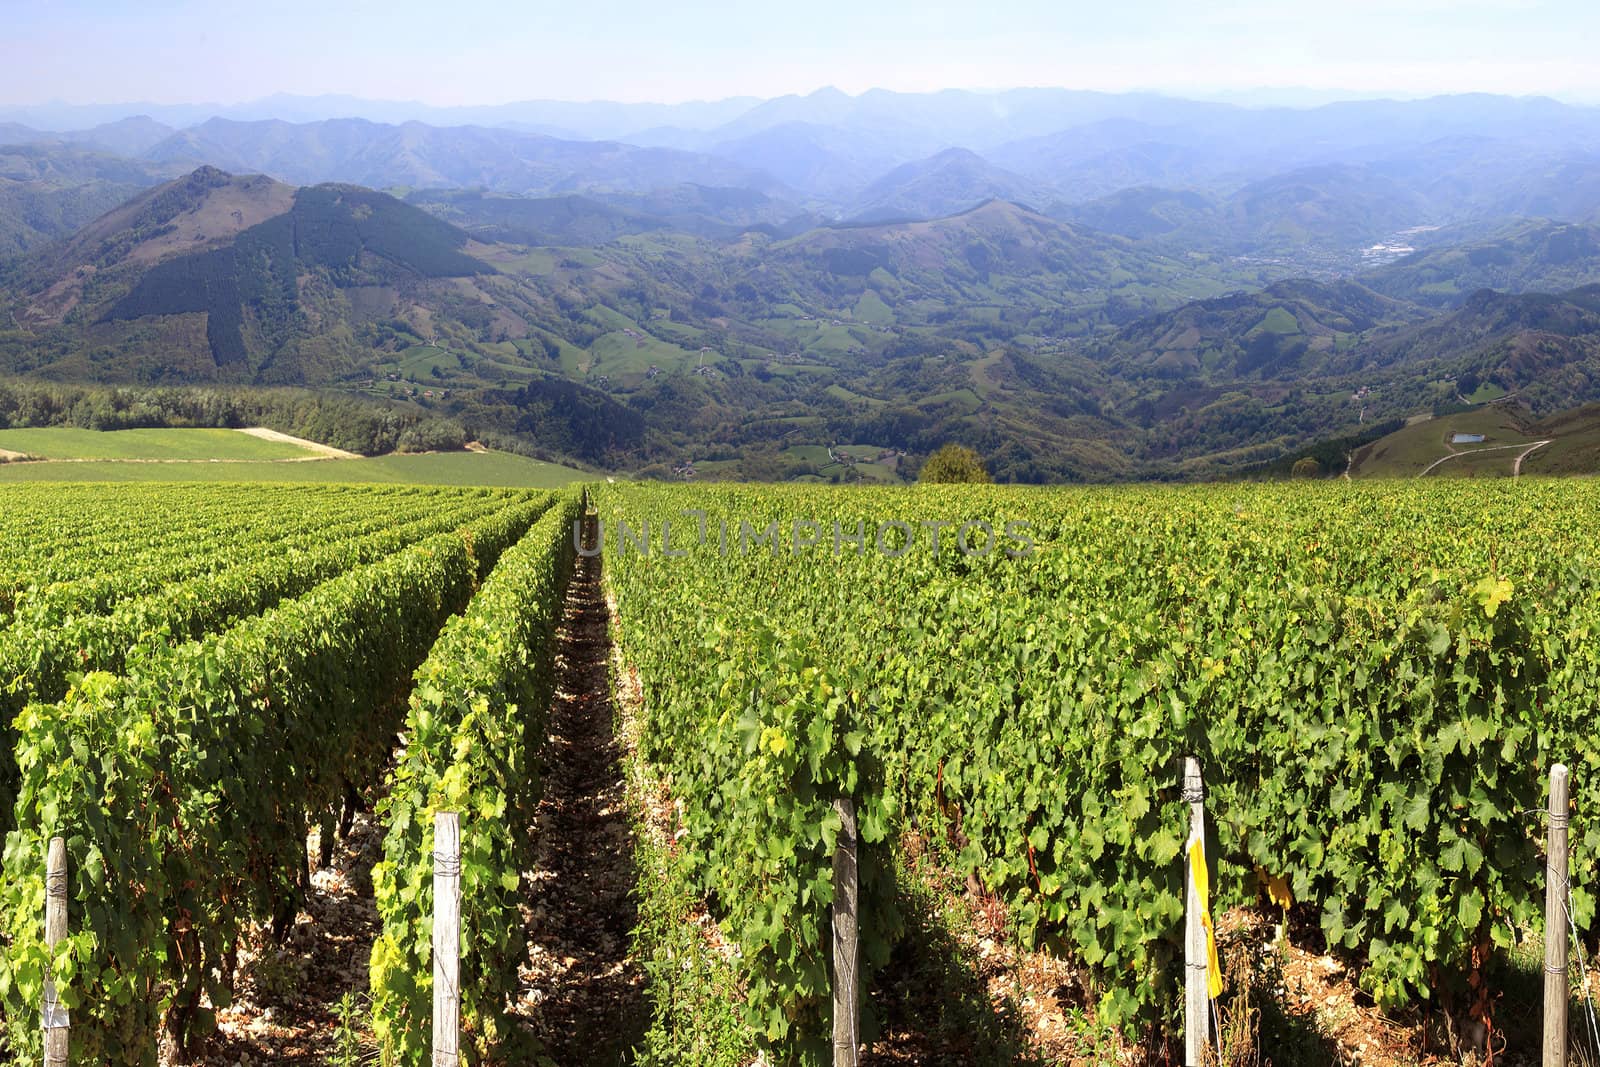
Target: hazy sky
x=493, y=51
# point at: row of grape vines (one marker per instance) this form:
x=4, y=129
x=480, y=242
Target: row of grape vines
x=1375, y=679
x=55, y=634
x=475, y=722
x=184, y=738
x=57, y=534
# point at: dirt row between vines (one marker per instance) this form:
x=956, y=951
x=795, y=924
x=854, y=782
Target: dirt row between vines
x=581, y=994
x=584, y=994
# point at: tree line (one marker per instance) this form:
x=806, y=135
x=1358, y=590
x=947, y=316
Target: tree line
x=370, y=428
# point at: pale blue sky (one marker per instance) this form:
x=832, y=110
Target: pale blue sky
x=448, y=52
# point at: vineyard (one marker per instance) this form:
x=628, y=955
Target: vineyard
x=195, y=681
x=1374, y=680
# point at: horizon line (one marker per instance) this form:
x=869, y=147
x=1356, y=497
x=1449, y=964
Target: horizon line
x=1218, y=94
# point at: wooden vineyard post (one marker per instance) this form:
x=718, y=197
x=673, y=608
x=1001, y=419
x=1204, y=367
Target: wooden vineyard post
x=446, y=939
x=1196, y=1002
x=1555, y=924
x=846, y=951
x=54, y=1016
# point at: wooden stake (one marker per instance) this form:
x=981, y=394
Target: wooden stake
x=446, y=940
x=846, y=952
x=54, y=1016
x=1555, y=924
x=1196, y=1001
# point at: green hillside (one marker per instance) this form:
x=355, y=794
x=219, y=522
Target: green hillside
x=49, y=190
x=1009, y=270
x=1057, y=351
x=351, y=237
x=1292, y=329
x=1567, y=442
x=64, y=443
x=1532, y=256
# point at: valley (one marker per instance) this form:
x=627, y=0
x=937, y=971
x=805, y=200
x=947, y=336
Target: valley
x=1117, y=304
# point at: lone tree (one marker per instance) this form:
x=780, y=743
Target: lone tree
x=954, y=463
x=1306, y=467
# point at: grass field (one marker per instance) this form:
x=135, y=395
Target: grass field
x=619, y=354
x=818, y=338
x=420, y=361
x=839, y=392
x=1485, y=393
x=435, y=468
x=1489, y=463
x=866, y=467
x=1279, y=321
x=877, y=472
x=1408, y=452
x=871, y=308
x=817, y=454
x=965, y=400
x=1573, y=445
x=71, y=443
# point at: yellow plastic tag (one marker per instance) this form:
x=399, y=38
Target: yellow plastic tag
x=1277, y=889
x=1202, y=887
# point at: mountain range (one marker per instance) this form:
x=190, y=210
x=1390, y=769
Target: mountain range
x=881, y=154
x=1081, y=285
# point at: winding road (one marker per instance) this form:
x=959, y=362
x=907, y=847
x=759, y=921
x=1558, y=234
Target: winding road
x=1516, y=466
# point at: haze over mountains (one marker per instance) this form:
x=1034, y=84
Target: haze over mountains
x=1082, y=284
x=1459, y=155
